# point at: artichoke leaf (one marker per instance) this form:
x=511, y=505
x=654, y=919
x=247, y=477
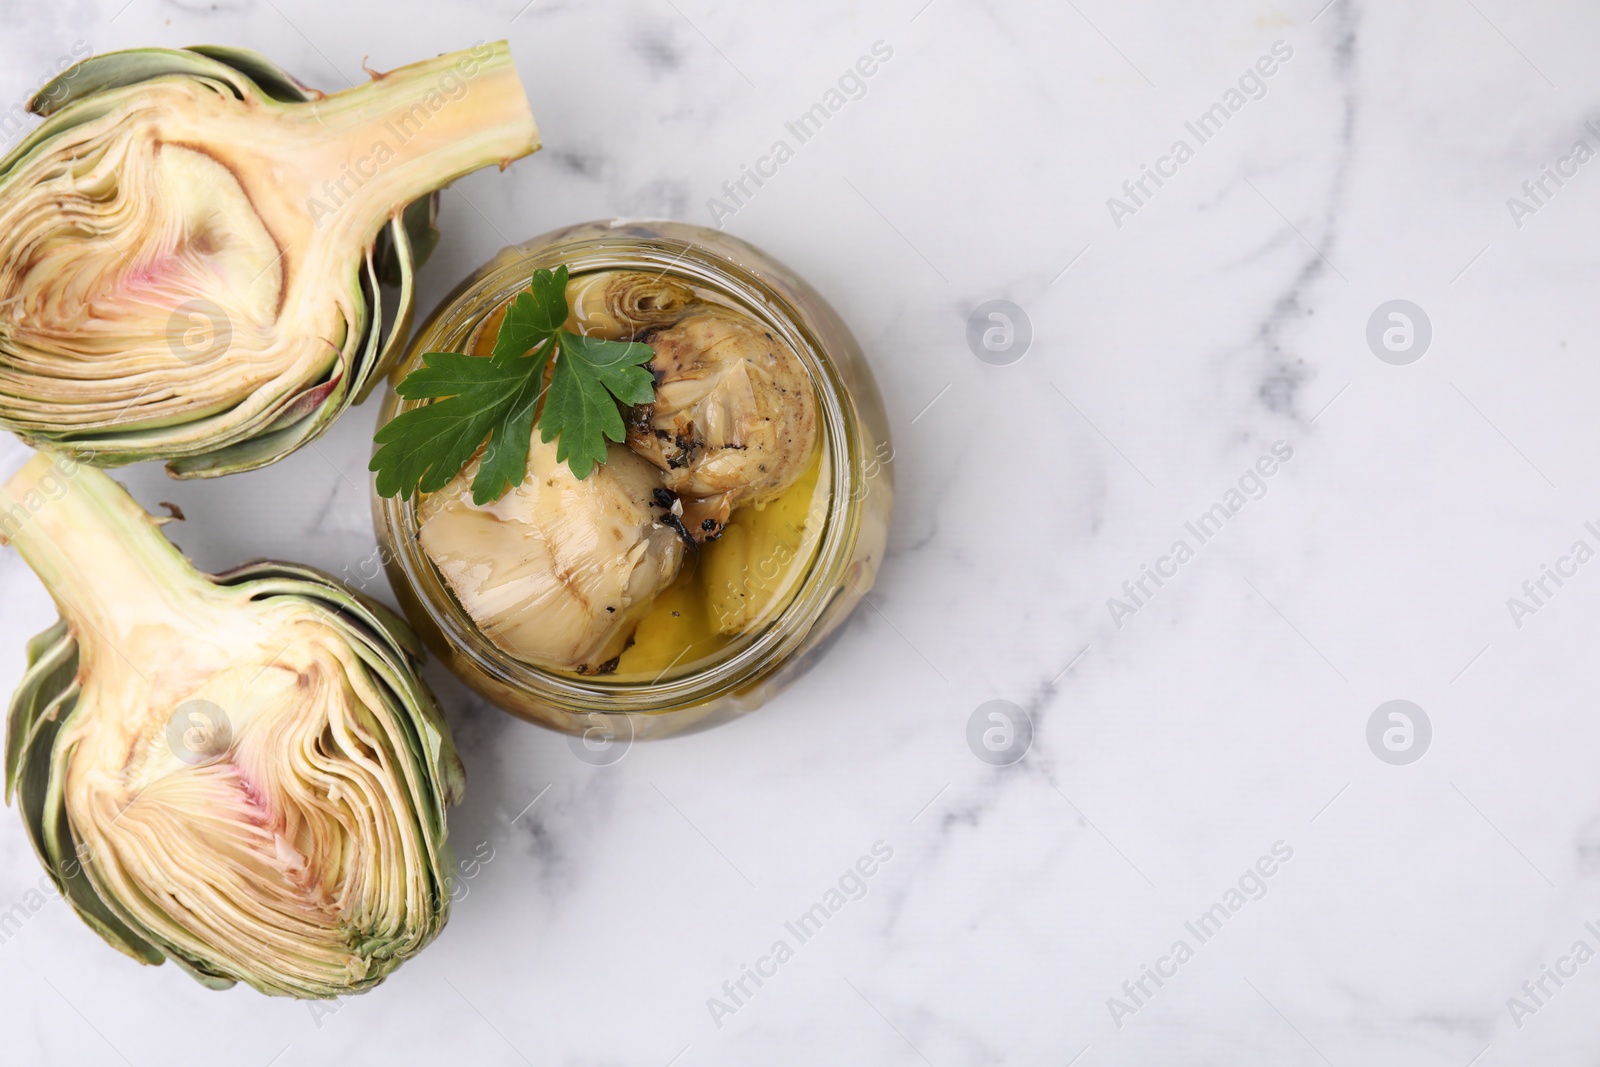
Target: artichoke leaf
x=130, y=67
x=41, y=643
x=52, y=664
x=60, y=854
x=397, y=260
x=361, y=373
x=419, y=226
x=320, y=585
x=270, y=78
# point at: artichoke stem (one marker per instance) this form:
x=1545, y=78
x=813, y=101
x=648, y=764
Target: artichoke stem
x=105, y=561
x=405, y=133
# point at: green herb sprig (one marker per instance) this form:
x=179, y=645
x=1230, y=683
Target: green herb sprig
x=496, y=398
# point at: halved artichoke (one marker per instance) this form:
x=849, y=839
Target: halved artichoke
x=243, y=773
x=618, y=305
x=734, y=420
x=191, y=245
x=558, y=571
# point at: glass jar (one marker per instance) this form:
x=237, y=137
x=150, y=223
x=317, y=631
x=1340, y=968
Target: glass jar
x=856, y=456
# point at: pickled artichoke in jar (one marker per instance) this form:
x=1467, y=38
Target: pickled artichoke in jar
x=558, y=570
x=692, y=535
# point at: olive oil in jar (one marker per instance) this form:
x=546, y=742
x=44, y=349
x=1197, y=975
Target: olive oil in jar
x=734, y=584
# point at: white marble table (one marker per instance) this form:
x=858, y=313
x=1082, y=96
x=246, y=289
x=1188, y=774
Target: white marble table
x=1180, y=738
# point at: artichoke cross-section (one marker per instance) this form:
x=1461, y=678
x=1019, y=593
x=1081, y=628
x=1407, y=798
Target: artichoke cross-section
x=194, y=247
x=242, y=773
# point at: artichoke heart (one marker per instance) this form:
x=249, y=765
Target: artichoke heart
x=558, y=570
x=616, y=305
x=242, y=773
x=734, y=420
x=192, y=245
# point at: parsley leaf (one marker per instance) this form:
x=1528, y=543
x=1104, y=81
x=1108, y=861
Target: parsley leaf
x=497, y=398
x=580, y=408
x=425, y=447
x=450, y=374
x=535, y=314
x=505, y=461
